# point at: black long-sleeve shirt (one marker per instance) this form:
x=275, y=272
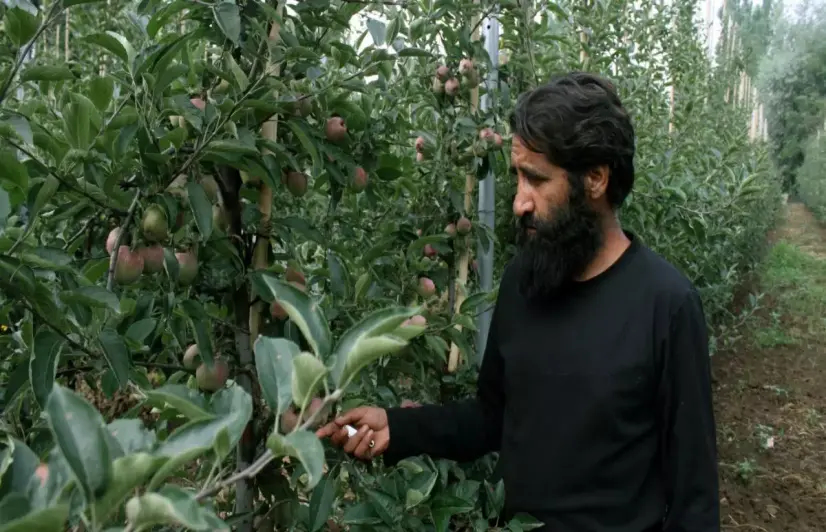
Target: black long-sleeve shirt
x=599, y=402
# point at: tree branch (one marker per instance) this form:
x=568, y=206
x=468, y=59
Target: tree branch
x=220, y=126
x=123, y=228
x=19, y=63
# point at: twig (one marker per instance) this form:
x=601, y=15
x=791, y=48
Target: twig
x=46, y=23
x=382, y=2
x=118, y=240
x=267, y=457
x=57, y=329
x=170, y=367
x=62, y=180
x=484, y=16
x=322, y=90
x=255, y=467
x=77, y=235
x=157, y=365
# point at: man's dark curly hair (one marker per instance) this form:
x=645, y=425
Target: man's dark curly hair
x=578, y=122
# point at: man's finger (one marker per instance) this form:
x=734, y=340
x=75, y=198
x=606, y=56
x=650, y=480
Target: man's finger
x=382, y=440
x=355, y=439
x=340, y=437
x=327, y=430
x=351, y=417
x=363, y=449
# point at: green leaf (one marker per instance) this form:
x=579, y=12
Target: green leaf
x=233, y=147
x=69, y=3
x=303, y=445
x=199, y=436
x=14, y=173
x=235, y=406
x=51, y=519
x=306, y=313
x=185, y=400
x=199, y=321
x=162, y=16
x=368, y=340
x=116, y=354
x=419, y=488
x=444, y=506
x=361, y=514
x=93, y=296
x=14, y=507
x=46, y=258
x=240, y=77
x=79, y=432
x=132, y=436
x=308, y=372
x=77, y=125
x=43, y=364
x=378, y=30
x=94, y=270
x=20, y=25
x=21, y=467
x=172, y=506
x=126, y=46
x=111, y=44
x=414, y=52
x=306, y=143
x=522, y=521
x=228, y=18
x=44, y=195
x=16, y=276
x=385, y=506
x=47, y=73
x=101, y=90
x=22, y=128
x=141, y=329
x=201, y=208
x=5, y=208
x=128, y=473
x=170, y=264
x=321, y=504
x=469, y=305
x=274, y=363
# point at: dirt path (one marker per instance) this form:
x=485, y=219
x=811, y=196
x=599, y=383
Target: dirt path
x=770, y=392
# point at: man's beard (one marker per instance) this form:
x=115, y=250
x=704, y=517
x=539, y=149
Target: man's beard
x=560, y=248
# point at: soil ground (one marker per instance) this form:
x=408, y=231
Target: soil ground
x=770, y=391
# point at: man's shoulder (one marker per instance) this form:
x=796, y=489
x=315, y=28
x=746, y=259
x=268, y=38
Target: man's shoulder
x=665, y=279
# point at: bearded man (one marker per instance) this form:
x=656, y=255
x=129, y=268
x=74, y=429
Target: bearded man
x=595, y=384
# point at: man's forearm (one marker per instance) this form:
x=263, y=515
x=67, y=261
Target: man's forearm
x=460, y=431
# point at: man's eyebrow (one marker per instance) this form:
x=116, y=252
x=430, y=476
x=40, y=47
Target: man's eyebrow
x=530, y=172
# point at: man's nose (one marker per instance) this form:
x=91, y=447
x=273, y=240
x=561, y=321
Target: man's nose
x=522, y=205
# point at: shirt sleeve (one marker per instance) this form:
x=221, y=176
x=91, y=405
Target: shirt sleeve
x=687, y=422
x=461, y=431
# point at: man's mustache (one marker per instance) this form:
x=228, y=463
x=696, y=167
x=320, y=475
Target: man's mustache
x=526, y=221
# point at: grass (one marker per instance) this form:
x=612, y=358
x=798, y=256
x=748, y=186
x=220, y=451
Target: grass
x=796, y=279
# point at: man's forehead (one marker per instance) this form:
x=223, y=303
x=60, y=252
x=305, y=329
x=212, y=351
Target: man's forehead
x=527, y=161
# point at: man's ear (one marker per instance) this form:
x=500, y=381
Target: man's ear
x=596, y=182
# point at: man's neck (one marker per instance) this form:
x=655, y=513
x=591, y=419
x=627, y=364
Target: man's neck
x=614, y=244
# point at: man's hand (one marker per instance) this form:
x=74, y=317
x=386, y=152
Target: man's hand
x=371, y=423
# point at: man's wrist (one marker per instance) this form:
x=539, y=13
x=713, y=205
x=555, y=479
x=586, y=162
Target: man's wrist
x=400, y=426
